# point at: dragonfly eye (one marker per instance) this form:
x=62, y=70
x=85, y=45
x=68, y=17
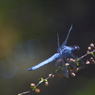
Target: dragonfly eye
x=76, y=48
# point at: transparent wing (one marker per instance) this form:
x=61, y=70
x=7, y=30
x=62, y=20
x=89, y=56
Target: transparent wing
x=77, y=62
x=65, y=70
x=65, y=42
x=60, y=64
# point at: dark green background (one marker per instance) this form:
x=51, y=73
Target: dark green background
x=24, y=20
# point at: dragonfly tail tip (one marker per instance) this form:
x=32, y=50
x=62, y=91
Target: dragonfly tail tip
x=29, y=69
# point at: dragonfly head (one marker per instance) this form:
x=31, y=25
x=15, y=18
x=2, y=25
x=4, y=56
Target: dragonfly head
x=76, y=48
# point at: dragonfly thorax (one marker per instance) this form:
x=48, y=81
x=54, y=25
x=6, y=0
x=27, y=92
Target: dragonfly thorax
x=66, y=51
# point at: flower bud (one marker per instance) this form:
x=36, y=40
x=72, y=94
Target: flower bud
x=50, y=75
x=77, y=69
x=71, y=59
x=89, y=48
x=37, y=90
x=67, y=64
x=87, y=62
x=92, y=45
x=91, y=58
x=32, y=84
x=46, y=83
x=73, y=74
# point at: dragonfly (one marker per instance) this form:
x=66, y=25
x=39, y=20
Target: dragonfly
x=63, y=57
x=67, y=63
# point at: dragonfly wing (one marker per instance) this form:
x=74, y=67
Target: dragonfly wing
x=52, y=58
x=65, y=71
x=65, y=42
x=62, y=67
x=58, y=43
x=78, y=62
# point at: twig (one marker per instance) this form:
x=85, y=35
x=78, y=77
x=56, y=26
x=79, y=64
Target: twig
x=86, y=54
x=24, y=92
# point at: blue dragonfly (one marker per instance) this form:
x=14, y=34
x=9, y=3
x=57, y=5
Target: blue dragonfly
x=63, y=56
x=67, y=62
